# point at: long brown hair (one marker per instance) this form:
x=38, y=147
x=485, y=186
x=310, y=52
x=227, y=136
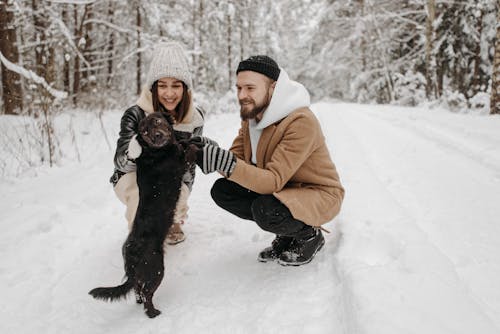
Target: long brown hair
x=182, y=108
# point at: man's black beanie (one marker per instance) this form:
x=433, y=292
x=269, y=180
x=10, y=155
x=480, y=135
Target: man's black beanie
x=261, y=64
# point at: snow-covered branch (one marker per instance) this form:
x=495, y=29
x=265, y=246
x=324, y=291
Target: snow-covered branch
x=32, y=76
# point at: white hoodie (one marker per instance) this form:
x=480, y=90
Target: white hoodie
x=288, y=96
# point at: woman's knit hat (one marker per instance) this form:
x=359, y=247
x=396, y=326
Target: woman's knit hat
x=169, y=60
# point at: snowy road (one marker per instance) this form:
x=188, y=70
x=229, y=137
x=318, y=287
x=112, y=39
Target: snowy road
x=414, y=250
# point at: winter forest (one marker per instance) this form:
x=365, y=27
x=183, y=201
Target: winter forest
x=58, y=55
x=93, y=54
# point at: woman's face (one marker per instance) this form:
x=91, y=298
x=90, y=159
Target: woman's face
x=170, y=92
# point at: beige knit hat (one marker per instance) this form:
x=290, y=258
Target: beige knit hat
x=169, y=60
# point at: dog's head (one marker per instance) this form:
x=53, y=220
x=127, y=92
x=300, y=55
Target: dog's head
x=156, y=130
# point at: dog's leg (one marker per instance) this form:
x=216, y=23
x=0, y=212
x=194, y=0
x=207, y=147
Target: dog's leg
x=147, y=293
x=150, y=308
x=138, y=296
x=149, y=289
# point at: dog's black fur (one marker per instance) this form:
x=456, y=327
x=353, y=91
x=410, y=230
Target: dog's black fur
x=160, y=168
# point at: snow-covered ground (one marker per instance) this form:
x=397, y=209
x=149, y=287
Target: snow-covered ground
x=416, y=248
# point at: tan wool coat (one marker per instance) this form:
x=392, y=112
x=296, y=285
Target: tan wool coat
x=293, y=164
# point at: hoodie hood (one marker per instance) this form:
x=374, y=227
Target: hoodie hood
x=288, y=96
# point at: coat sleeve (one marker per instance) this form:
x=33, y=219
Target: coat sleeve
x=129, y=126
x=188, y=177
x=291, y=152
x=237, y=146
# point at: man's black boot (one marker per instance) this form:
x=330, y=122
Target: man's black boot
x=279, y=244
x=303, y=248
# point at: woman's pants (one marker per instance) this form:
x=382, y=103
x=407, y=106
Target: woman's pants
x=127, y=191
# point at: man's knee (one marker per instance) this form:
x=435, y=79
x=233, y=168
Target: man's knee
x=268, y=212
x=273, y=216
x=219, y=191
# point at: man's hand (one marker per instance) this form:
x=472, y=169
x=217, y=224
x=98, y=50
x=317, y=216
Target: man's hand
x=212, y=158
x=134, y=148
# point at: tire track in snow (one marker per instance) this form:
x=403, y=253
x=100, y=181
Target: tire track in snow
x=448, y=140
x=385, y=236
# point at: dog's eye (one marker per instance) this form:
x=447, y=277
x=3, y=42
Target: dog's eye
x=144, y=133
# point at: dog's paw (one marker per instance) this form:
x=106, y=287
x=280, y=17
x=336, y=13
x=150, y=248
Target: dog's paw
x=191, y=151
x=152, y=312
x=134, y=148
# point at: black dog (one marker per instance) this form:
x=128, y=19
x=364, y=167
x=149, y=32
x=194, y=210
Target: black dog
x=160, y=168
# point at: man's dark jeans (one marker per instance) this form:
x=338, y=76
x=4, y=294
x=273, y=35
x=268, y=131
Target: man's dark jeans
x=266, y=210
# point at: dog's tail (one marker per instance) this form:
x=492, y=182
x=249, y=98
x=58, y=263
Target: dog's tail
x=112, y=294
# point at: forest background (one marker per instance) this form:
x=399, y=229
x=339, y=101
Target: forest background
x=61, y=55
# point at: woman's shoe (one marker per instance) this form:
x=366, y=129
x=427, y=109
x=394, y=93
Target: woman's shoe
x=175, y=234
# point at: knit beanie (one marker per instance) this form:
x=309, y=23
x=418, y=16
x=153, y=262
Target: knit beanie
x=169, y=60
x=261, y=64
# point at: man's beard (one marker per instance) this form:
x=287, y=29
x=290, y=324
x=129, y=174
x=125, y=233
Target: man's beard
x=251, y=114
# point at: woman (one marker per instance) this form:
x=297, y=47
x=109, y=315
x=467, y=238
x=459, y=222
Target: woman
x=168, y=89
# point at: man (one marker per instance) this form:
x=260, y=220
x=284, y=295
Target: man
x=278, y=172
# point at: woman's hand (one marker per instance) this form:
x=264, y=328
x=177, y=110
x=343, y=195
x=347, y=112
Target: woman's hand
x=134, y=149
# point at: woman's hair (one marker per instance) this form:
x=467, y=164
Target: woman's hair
x=182, y=108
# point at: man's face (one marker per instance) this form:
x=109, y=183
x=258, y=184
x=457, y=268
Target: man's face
x=254, y=93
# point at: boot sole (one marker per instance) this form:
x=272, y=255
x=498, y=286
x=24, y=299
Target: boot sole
x=296, y=264
x=260, y=259
x=175, y=242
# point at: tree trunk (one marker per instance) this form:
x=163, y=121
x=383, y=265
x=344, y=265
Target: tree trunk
x=66, y=66
x=80, y=45
x=196, y=32
x=229, y=53
x=40, y=37
x=44, y=50
x=363, y=38
x=76, y=67
x=111, y=50
x=495, y=85
x=476, y=77
x=429, y=39
x=201, y=72
x=139, y=61
x=87, y=74
x=11, y=81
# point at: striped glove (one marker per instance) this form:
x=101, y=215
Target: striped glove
x=212, y=158
x=201, y=141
